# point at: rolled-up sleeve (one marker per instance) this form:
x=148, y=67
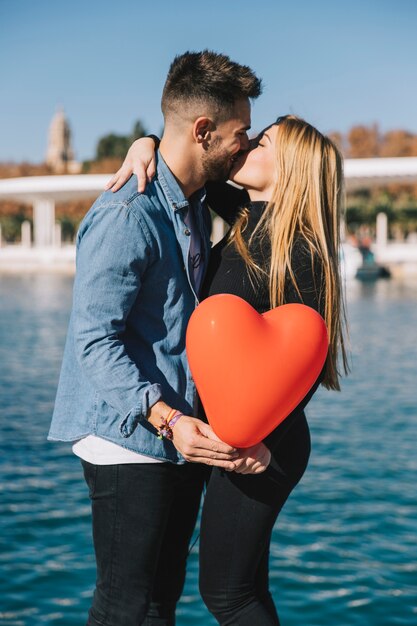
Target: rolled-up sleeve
x=113, y=251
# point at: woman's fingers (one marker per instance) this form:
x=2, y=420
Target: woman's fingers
x=255, y=468
x=151, y=170
x=119, y=179
x=139, y=160
x=140, y=172
x=239, y=464
x=242, y=467
x=111, y=182
x=250, y=465
x=123, y=174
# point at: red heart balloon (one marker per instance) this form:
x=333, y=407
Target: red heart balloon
x=252, y=370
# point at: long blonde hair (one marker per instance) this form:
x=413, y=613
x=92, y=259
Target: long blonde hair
x=306, y=203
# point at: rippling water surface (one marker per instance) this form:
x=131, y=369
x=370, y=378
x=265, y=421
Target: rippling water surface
x=344, y=549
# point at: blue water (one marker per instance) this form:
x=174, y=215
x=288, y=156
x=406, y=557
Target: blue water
x=344, y=549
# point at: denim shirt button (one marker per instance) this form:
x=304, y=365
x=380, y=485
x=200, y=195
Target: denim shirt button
x=187, y=232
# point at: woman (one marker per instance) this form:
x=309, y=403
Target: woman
x=282, y=248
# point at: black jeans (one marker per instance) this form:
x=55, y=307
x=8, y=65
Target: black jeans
x=143, y=519
x=238, y=516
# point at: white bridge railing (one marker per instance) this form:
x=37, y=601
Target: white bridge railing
x=43, y=192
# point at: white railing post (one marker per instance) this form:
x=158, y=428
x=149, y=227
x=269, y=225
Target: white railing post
x=43, y=222
x=26, y=234
x=381, y=230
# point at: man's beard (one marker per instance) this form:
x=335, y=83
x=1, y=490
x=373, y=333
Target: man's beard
x=216, y=162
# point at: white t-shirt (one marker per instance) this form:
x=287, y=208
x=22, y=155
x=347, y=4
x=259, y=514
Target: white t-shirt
x=99, y=451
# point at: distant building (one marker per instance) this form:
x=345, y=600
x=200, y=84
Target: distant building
x=60, y=155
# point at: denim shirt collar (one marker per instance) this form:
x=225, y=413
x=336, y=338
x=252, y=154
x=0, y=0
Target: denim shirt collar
x=171, y=188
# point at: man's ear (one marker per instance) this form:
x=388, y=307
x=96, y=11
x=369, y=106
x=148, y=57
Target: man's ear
x=202, y=129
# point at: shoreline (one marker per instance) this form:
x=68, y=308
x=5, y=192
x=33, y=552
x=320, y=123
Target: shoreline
x=25, y=260
x=399, y=258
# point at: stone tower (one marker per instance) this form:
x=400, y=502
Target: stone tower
x=60, y=156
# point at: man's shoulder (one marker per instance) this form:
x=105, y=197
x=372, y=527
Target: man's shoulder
x=140, y=204
x=128, y=195
x=127, y=200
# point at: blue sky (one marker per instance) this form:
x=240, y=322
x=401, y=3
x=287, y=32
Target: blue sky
x=335, y=63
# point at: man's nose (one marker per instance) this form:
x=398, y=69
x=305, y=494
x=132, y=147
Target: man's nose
x=244, y=143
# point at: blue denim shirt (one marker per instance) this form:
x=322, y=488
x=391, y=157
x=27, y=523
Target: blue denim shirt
x=132, y=300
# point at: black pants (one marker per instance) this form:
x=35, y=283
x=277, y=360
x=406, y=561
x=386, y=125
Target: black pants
x=238, y=516
x=143, y=519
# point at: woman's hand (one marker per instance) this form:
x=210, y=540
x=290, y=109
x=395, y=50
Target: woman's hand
x=139, y=160
x=252, y=460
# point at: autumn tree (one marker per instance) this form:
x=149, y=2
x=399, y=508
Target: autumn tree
x=338, y=140
x=363, y=141
x=398, y=143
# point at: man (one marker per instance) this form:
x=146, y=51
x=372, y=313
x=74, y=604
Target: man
x=125, y=379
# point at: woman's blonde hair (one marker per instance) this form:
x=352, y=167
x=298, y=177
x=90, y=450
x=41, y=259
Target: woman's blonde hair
x=306, y=203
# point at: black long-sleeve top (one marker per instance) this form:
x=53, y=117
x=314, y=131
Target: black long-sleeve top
x=227, y=272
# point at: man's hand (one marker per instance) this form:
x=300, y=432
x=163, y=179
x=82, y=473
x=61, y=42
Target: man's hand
x=197, y=443
x=253, y=460
x=139, y=160
x=195, y=439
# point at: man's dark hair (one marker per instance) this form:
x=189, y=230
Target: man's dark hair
x=209, y=78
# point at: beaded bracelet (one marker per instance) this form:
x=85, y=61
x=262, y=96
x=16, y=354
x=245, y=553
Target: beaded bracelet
x=165, y=429
x=170, y=415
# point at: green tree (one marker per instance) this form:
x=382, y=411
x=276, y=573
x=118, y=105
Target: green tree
x=111, y=146
x=138, y=131
x=11, y=226
x=115, y=146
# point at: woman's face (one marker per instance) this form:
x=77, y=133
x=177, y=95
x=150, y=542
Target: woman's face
x=256, y=170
